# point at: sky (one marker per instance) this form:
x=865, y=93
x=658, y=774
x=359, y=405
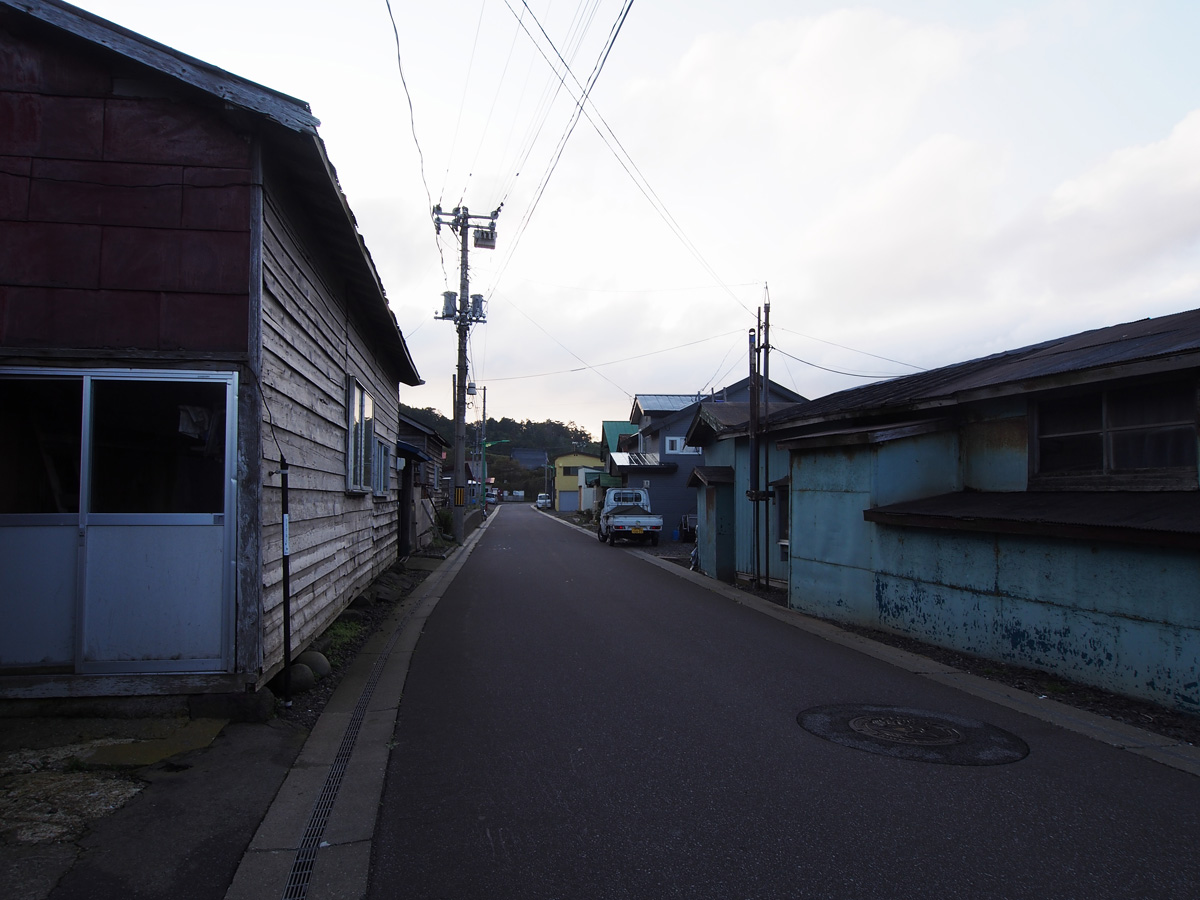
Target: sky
x=907, y=183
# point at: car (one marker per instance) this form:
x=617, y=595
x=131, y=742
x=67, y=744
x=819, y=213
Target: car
x=493, y=497
x=543, y=501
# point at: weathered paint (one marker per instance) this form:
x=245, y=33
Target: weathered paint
x=773, y=464
x=1124, y=618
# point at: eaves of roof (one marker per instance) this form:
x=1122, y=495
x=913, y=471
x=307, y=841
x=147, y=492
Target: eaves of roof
x=1160, y=518
x=705, y=476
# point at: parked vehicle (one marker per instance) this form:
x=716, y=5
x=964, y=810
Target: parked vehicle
x=543, y=501
x=626, y=515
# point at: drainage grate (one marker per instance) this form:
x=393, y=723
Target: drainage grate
x=306, y=854
x=914, y=734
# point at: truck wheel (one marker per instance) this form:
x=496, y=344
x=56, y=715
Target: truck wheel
x=654, y=540
x=612, y=538
x=599, y=534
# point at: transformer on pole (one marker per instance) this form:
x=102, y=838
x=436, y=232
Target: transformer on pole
x=469, y=310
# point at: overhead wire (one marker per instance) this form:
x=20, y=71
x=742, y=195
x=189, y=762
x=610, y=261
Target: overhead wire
x=624, y=159
x=851, y=349
x=462, y=104
x=412, y=120
x=613, y=362
x=574, y=120
x=586, y=364
x=837, y=371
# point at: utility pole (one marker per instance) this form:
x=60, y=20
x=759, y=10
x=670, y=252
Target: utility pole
x=767, y=494
x=483, y=453
x=467, y=310
x=760, y=395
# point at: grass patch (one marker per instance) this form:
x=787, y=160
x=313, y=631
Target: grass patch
x=342, y=636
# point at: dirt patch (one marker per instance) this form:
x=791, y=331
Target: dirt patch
x=368, y=611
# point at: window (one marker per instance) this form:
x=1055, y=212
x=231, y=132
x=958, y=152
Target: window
x=381, y=472
x=1142, y=436
x=41, y=421
x=677, y=445
x=360, y=440
x=570, y=470
x=157, y=447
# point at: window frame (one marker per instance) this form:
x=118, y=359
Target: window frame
x=360, y=435
x=679, y=446
x=1107, y=477
x=381, y=469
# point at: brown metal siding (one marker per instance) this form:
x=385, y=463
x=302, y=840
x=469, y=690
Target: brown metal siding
x=124, y=221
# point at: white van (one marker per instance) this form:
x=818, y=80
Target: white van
x=543, y=501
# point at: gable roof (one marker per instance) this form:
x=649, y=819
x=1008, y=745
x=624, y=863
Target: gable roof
x=611, y=433
x=718, y=419
x=287, y=127
x=667, y=404
x=649, y=404
x=1144, y=347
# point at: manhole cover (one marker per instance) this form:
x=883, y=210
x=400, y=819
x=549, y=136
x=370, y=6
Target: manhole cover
x=914, y=734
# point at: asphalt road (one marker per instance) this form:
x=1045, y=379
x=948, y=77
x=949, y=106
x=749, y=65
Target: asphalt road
x=578, y=723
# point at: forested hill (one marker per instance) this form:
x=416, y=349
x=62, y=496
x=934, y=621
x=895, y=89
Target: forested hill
x=553, y=437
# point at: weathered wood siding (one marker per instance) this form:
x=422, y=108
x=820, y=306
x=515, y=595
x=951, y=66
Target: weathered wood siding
x=124, y=215
x=311, y=344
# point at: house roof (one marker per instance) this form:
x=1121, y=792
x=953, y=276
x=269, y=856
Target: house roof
x=579, y=456
x=635, y=461
x=649, y=404
x=1147, y=346
x=612, y=431
x=412, y=451
x=703, y=476
x=718, y=418
x=410, y=427
x=288, y=128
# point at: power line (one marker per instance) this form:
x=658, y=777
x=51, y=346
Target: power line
x=412, y=120
x=851, y=349
x=838, y=371
x=624, y=159
x=579, y=110
x=613, y=362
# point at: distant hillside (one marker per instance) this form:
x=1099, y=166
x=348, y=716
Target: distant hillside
x=553, y=437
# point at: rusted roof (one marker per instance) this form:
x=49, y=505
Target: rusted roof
x=1164, y=518
x=1164, y=343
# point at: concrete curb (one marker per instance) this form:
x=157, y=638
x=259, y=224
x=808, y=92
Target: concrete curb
x=340, y=863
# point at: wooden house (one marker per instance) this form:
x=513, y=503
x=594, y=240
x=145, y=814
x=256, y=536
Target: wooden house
x=424, y=453
x=185, y=301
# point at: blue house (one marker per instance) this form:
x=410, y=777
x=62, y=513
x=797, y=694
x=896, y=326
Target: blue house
x=740, y=536
x=1040, y=506
x=659, y=457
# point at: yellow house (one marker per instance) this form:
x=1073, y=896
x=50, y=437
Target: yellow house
x=566, y=478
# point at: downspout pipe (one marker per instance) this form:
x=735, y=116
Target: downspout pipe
x=287, y=588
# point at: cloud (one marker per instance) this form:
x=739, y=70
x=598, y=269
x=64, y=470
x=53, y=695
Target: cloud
x=1133, y=213
x=917, y=233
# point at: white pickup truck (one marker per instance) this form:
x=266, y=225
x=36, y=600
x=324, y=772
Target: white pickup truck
x=626, y=514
